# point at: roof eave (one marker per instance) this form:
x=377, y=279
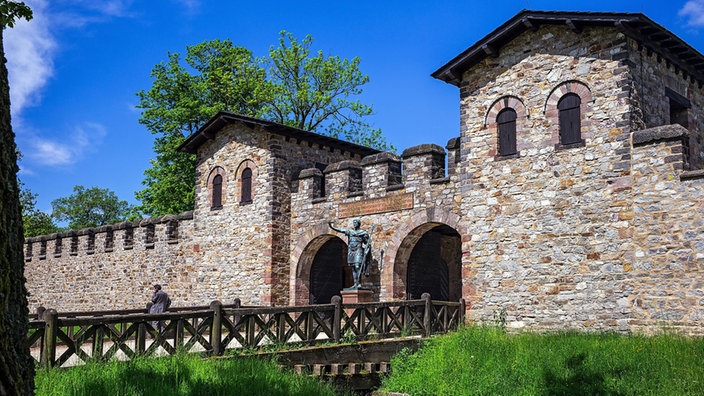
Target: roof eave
x=631, y=24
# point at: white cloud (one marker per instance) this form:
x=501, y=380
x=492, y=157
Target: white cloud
x=693, y=10
x=30, y=50
x=50, y=152
x=191, y=6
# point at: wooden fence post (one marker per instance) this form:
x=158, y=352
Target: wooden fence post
x=427, y=319
x=463, y=308
x=40, y=312
x=140, y=339
x=51, y=326
x=97, y=353
x=216, y=327
x=337, y=317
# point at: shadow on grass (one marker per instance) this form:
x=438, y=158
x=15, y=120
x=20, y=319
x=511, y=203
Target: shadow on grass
x=580, y=379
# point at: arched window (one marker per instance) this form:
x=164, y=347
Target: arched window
x=506, y=121
x=246, y=196
x=570, y=119
x=217, y=193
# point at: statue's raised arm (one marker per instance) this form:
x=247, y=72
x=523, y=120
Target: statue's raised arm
x=335, y=228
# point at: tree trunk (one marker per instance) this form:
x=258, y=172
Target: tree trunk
x=16, y=365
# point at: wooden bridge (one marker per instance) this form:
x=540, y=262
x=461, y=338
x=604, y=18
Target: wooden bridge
x=65, y=339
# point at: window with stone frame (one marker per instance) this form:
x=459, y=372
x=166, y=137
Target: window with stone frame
x=570, y=119
x=216, y=196
x=217, y=186
x=246, y=193
x=506, y=122
x=679, y=108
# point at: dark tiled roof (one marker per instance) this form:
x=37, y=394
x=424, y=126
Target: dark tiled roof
x=635, y=25
x=215, y=124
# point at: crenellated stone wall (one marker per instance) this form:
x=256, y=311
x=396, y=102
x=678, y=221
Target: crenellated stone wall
x=110, y=267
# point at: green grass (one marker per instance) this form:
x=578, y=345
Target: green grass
x=182, y=374
x=488, y=361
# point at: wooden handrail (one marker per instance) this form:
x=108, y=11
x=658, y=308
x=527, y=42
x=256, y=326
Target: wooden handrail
x=218, y=327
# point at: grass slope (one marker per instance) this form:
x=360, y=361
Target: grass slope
x=488, y=361
x=178, y=375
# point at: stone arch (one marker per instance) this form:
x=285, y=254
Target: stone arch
x=552, y=113
x=246, y=164
x=217, y=171
x=303, y=259
x=490, y=122
x=406, y=238
x=505, y=102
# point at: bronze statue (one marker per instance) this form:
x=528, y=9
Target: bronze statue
x=358, y=247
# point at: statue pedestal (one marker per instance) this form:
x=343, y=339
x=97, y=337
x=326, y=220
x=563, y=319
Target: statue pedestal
x=356, y=296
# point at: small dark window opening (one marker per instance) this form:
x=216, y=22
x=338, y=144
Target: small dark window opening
x=506, y=121
x=246, y=186
x=128, y=241
x=679, y=108
x=90, y=244
x=570, y=119
x=57, y=247
x=109, y=240
x=42, y=250
x=217, y=193
x=74, y=245
x=322, y=167
x=149, y=236
x=28, y=252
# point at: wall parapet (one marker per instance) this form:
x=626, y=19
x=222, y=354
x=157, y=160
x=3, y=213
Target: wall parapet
x=664, y=132
x=378, y=174
x=86, y=239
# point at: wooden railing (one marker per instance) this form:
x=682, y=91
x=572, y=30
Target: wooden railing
x=65, y=339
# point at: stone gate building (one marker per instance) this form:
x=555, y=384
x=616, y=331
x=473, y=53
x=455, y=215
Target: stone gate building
x=573, y=196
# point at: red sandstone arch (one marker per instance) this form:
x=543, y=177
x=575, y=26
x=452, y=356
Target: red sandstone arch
x=405, y=237
x=301, y=260
x=552, y=113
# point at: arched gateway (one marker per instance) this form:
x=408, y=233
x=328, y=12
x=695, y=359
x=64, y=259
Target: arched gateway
x=429, y=261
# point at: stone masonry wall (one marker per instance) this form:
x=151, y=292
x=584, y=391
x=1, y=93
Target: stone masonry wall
x=653, y=75
x=111, y=267
x=241, y=247
x=427, y=197
x=548, y=230
x=665, y=280
x=605, y=234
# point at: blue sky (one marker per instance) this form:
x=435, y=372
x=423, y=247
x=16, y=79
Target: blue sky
x=75, y=68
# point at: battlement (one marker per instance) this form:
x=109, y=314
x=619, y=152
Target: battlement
x=138, y=234
x=377, y=174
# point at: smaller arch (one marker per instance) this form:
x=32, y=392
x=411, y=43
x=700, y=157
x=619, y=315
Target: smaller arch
x=502, y=103
x=247, y=173
x=217, y=183
x=506, y=143
x=567, y=104
x=572, y=86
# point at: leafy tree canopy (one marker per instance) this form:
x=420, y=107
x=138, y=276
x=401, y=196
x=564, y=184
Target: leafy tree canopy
x=291, y=86
x=34, y=220
x=12, y=10
x=91, y=207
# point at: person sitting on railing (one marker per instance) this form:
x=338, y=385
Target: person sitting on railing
x=160, y=303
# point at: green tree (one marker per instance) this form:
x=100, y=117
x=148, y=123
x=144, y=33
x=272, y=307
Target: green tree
x=16, y=364
x=312, y=92
x=290, y=86
x=223, y=77
x=34, y=220
x=91, y=207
